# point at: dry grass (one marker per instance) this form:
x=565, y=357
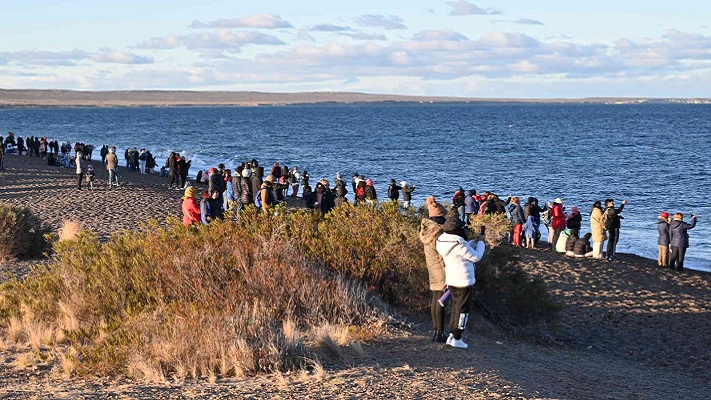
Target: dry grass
x=22, y=233
x=69, y=230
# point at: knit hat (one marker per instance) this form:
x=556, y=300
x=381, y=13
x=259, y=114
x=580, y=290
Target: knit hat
x=575, y=210
x=369, y=182
x=212, y=170
x=665, y=214
x=435, y=209
x=247, y=172
x=189, y=193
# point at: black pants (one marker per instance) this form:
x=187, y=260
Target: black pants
x=461, y=300
x=556, y=235
x=613, y=238
x=80, y=177
x=437, y=311
x=676, y=261
x=173, y=178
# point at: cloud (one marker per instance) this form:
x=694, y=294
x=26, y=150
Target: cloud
x=528, y=21
x=463, y=7
x=121, y=58
x=330, y=28
x=380, y=21
x=225, y=39
x=365, y=36
x=426, y=35
x=46, y=58
x=257, y=21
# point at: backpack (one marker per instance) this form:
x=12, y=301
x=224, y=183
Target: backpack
x=605, y=220
x=546, y=217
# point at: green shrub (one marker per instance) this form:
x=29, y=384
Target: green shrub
x=21, y=233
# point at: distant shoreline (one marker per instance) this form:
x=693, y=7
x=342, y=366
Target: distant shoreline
x=172, y=98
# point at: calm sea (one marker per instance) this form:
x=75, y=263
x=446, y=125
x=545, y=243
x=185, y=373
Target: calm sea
x=654, y=155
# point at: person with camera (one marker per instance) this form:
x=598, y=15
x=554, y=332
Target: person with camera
x=613, y=226
x=679, y=240
x=459, y=256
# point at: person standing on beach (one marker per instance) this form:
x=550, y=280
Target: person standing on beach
x=80, y=168
x=679, y=240
x=663, y=239
x=190, y=208
x=557, y=221
x=613, y=226
x=394, y=190
x=406, y=194
x=172, y=164
x=111, y=164
x=517, y=219
x=142, y=161
x=104, y=151
x=459, y=256
x=430, y=230
x=341, y=190
x=597, y=229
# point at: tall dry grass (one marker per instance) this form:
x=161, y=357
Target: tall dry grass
x=22, y=233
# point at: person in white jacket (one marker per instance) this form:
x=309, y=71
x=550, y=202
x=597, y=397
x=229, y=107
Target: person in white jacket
x=459, y=256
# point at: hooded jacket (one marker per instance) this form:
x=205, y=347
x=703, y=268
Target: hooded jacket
x=429, y=232
x=516, y=212
x=470, y=205
x=678, y=235
x=598, y=231
x=459, y=257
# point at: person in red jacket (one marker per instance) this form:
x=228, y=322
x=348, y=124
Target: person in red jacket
x=191, y=209
x=557, y=221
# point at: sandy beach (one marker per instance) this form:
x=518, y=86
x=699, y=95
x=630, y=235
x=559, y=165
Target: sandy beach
x=628, y=329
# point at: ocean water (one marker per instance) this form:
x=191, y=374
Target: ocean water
x=654, y=155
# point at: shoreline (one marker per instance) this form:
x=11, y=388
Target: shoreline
x=151, y=199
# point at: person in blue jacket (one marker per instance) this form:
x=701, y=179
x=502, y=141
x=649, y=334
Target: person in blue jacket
x=679, y=240
x=530, y=229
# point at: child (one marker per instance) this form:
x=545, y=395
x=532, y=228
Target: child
x=90, y=176
x=530, y=228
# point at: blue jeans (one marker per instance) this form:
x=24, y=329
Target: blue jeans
x=113, y=175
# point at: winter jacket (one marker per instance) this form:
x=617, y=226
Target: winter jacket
x=678, y=235
x=516, y=214
x=570, y=243
x=574, y=222
x=370, y=193
x=459, y=257
x=582, y=246
x=429, y=232
x=111, y=161
x=246, y=196
x=191, y=212
x=341, y=190
x=470, y=205
x=327, y=201
x=613, y=214
x=230, y=191
x=533, y=209
x=407, y=192
x=530, y=227
x=394, y=191
x=558, y=217
x=598, y=231
x=663, y=228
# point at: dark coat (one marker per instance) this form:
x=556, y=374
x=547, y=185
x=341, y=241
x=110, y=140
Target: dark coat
x=663, y=228
x=246, y=195
x=341, y=190
x=394, y=191
x=678, y=235
x=516, y=214
x=613, y=214
x=471, y=206
x=582, y=246
x=327, y=201
x=407, y=192
x=574, y=222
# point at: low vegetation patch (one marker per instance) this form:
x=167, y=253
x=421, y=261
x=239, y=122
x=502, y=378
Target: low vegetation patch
x=255, y=293
x=22, y=233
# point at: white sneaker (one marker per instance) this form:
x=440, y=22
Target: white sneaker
x=449, y=339
x=458, y=343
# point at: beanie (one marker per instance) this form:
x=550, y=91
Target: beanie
x=435, y=209
x=665, y=214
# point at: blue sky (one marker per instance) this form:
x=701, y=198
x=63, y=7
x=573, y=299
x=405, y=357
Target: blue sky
x=503, y=49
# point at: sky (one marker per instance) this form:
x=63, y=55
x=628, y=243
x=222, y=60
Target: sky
x=467, y=48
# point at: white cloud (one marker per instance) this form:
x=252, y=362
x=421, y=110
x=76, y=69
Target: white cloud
x=381, y=21
x=257, y=21
x=121, y=58
x=224, y=39
x=365, y=36
x=427, y=35
x=330, y=28
x=528, y=21
x=463, y=7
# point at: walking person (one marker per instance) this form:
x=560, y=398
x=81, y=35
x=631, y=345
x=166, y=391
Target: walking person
x=679, y=240
x=111, y=164
x=80, y=168
x=663, y=239
x=612, y=224
x=459, y=256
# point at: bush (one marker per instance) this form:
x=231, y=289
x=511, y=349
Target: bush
x=22, y=233
x=187, y=303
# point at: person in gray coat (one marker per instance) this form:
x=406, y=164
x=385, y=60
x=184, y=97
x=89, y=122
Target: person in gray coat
x=679, y=240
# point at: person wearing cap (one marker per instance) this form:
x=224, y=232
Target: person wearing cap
x=459, y=256
x=557, y=221
x=679, y=240
x=430, y=230
x=190, y=207
x=663, y=240
x=406, y=194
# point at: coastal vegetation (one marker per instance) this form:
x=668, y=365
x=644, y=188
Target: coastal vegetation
x=22, y=233
x=254, y=293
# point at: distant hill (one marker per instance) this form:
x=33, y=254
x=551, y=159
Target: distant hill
x=172, y=98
